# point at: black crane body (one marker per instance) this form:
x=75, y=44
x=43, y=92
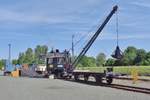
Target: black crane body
x=60, y=64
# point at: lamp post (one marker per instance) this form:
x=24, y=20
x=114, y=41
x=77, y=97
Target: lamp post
x=72, y=47
x=9, y=57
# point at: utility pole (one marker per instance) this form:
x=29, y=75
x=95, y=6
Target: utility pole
x=9, y=57
x=72, y=48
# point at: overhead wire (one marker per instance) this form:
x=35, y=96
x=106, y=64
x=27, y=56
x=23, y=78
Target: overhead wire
x=85, y=37
x=90, y=33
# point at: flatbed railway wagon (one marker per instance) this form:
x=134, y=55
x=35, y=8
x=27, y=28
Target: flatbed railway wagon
x=99, y=77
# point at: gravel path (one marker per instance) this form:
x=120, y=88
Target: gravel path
x=46, y=89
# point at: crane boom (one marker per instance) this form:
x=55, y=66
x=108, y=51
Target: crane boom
x=91, y=41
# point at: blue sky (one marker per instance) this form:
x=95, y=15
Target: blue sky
x=27, y=23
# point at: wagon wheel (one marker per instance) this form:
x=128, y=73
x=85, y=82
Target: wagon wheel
x=76, y=77
x=86, y=77
x=109, y=80
x=98, y=79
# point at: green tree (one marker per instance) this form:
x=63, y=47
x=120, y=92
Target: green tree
x=2, y=63
x=92, y=61
x=147, y=59
x=29, y=56
x=100, y=59
x=140, y=58
x=129, y=56
x=14, y=61
x=110, y=62
x=21, y=58
x=87, y=62
x=40, y=50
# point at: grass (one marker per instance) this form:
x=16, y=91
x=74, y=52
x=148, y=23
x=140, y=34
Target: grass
x=142, y=70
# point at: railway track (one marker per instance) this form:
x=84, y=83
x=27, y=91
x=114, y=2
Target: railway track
x=130, y=88
x=116, y=86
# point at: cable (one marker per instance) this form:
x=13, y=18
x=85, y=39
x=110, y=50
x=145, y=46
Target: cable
x=90, y=33
x=117, y=30
x=94, y=27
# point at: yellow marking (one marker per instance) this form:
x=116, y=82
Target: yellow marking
x=134, y=74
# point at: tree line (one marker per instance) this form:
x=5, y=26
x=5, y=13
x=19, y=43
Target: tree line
x=131, y=56
x=30, y=56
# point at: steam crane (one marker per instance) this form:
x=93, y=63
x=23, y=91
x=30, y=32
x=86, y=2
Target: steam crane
x=59, y=63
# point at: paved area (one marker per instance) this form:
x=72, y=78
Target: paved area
x=46, y=89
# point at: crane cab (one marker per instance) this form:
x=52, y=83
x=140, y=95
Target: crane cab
x=58, y=63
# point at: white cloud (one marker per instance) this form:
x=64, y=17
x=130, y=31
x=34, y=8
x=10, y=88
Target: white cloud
x=57, y=11
x=141, y=4
x=9, y=36
x=107, y=36
x=7, y=15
